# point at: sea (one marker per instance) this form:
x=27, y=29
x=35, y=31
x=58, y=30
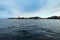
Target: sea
x=29, y=29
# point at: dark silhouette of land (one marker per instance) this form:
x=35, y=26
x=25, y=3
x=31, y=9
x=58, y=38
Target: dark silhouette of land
x=52, y=17
x=26, y=18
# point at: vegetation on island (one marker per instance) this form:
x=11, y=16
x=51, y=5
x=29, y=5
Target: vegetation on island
x=26, y=18
x=52, y=17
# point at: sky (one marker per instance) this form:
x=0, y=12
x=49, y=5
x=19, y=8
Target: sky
x=29, y=8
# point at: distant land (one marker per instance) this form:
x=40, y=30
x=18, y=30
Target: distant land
x=26, y=18
x=52, y=17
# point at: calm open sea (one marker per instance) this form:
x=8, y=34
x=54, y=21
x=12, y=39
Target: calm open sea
x=43, y=29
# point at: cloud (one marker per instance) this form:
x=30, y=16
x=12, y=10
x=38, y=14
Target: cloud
x=26, y=8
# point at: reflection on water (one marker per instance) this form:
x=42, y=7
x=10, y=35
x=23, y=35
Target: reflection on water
x=30, y=29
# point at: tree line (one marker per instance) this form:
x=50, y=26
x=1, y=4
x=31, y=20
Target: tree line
x=52, y=17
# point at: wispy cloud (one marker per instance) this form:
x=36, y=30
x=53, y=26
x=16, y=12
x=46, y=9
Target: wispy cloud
x=43, y=8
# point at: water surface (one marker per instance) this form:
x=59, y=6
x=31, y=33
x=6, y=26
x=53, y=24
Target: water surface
x=43, y=29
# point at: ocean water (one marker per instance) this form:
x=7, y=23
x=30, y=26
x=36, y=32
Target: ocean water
x=43, y=29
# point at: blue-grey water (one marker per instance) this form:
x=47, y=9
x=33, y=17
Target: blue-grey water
x=43, y=29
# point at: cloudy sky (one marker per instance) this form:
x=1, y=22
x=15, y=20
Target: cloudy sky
x=28, y=8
